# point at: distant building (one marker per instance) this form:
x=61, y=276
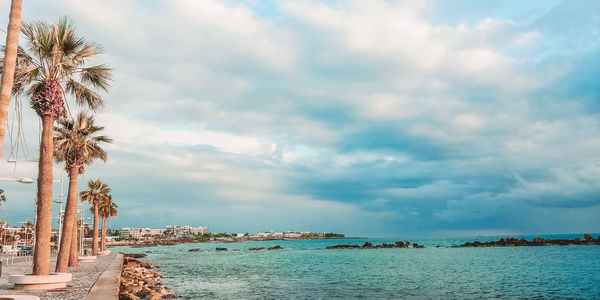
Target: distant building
x=146, y=233
x=198, y=230
x=125, y=233
x=176, y=231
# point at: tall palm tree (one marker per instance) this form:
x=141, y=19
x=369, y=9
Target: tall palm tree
x=76, y=142
x=9, y=63
x=107, y=209
x=96, y=193
x=54, y=62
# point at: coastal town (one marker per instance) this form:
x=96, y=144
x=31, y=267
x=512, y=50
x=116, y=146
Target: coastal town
x=176, y=232
x=19, y=240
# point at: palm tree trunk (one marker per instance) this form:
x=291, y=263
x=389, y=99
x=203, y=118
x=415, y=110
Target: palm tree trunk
x=95, y=238
x=103, y=239
x=10, y=62
x=62, y=262
x=43, y=223
x=74, y=250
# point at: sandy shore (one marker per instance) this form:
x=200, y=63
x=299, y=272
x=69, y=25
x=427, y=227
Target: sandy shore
x=84, y=277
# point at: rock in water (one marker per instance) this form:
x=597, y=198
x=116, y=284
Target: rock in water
x=588, y=237
x=275, y=248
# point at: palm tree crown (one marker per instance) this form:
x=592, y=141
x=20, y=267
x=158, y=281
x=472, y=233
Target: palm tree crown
x=96, y=192
x=55, y=62
x=76, y=141
x=108, y=208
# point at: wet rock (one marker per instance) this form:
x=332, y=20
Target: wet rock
x=257, y=248
x=275, y=248
x=588, y=237
x=134, y=255
x=513, y=242
x=368, y=245
x=221, y=249
x=194, y=250
x=343, y=247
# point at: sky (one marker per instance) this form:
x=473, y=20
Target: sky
x=368, y=118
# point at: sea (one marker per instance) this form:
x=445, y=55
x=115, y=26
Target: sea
x=304, y=269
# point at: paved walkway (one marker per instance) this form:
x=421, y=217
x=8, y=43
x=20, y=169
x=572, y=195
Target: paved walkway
x=84, y=278
x=107, y=285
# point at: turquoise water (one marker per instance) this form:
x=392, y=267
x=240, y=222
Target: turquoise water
x=305, y=270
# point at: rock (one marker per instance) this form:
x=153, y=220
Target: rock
x=154, y=296
x=343, y=247
x=588, y=237
x=147, y=265
x=367, y=245
x=128, y=296
x=258, y=248
x=139, y=282
x=275, y=248
x=134, y=255
x=194, y=250
x=221, y=249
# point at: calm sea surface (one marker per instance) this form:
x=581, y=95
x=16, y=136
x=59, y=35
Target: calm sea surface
x=305, y=270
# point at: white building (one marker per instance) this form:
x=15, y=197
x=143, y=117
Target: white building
x=145, y=233
x=177, y=231
x=198, y=230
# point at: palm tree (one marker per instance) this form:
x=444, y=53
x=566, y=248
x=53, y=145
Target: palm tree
x=107, y=209
x=76, y=142
x=9, y=64
x=53, y=63
x=96, y=193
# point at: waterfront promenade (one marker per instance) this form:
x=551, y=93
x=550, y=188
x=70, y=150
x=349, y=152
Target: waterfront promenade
x=85, y=277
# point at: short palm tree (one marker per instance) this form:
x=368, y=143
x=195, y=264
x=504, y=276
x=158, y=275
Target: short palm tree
x=76, y=142
x=96, y=193
x=53, y=64
x=107, y=209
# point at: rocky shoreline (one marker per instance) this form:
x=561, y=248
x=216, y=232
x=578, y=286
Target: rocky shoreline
x=512, y=242
x=367, y=245
x=140, y=281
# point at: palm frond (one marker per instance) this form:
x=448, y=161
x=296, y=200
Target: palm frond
x=83, y=95
x=99, y=76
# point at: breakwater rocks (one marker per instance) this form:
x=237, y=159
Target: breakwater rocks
x=139, y=281
x=512, y=242
x=367, y=245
